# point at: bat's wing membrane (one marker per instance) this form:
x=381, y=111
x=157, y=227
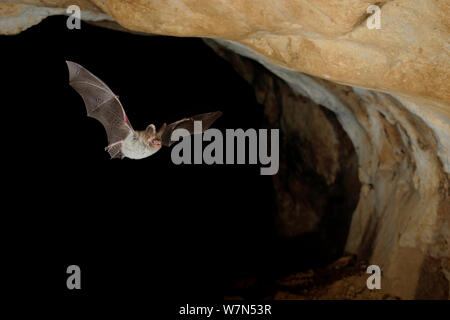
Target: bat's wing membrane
x=207, y=120
x=101, y=104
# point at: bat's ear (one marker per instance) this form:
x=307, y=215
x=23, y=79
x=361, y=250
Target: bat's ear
x=150, y=129
x=161, y=131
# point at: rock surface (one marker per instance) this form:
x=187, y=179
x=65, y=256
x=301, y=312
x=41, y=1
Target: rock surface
x=329, y=39
x=317, y=186
x=396, y=114
x=402, y=220
x=16, y=16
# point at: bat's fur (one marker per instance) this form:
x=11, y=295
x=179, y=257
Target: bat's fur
x=137, y=145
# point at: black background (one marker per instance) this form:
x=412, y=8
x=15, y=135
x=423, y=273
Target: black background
x=141, y=227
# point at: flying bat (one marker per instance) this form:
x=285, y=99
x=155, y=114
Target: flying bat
x=123, y=141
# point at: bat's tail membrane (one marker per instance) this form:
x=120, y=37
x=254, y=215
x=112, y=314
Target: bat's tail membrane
x=114, y=150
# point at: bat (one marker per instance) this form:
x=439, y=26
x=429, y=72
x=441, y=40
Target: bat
x=123, y=141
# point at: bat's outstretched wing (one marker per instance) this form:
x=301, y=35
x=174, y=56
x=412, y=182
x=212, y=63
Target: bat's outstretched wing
x=207, y=120
x=101, y=104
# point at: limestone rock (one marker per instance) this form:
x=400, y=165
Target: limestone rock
x=401, y=221
x=16, y=17
x=329, y=39
x=317, y=185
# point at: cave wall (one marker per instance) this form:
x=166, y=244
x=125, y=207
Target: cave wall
x=401, y=222
x=325, y=38
x=317, y=186
x=389, y=91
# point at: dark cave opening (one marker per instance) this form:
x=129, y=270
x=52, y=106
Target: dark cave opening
x=192, y=230
x=317, y=186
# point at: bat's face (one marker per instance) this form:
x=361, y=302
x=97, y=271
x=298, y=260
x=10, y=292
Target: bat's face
x=152, y=138
x=154, y=143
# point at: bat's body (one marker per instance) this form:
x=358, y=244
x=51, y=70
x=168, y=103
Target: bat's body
x=103, y=105
x=134, y=146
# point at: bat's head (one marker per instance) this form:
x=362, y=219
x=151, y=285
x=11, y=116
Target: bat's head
x=152, y=137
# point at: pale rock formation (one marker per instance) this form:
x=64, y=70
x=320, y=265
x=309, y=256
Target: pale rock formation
x=396, y=114
x=16, y=16
x=325, y=38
